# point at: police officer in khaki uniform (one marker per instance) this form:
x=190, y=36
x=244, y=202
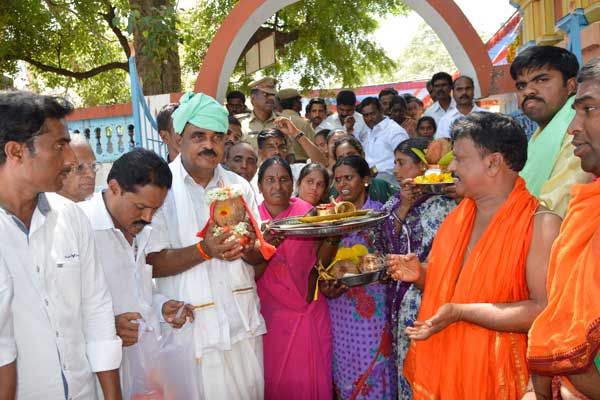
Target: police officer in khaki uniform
x=290, y=100
x=262, y=96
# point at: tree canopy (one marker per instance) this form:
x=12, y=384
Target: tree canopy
x=81, y=47
x=424, y=56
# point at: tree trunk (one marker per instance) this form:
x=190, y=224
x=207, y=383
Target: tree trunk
x=159, y=74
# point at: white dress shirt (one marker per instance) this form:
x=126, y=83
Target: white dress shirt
x=333, y=122
x=436, y=111
x=445, y=124
x=223, y=292
x=63, y=322
x=8, y=347
x=128, y=276
x=379, y=144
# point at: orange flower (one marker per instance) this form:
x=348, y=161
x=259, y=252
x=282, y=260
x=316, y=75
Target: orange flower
x=223, y=210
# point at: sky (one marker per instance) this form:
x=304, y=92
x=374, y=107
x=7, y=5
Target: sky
x=485, y=15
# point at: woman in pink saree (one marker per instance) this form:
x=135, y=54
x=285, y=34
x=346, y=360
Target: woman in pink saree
x=297, y=345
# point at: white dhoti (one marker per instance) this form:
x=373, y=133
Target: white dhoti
x=235, y=374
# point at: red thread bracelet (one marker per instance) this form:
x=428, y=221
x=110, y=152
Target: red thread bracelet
x=202, y=252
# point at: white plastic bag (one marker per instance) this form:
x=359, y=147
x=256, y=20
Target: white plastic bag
x=162, y=367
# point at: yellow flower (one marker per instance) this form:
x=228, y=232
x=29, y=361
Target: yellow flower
x=446, y=177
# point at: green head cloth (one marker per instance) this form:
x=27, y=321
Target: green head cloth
x=201, y=110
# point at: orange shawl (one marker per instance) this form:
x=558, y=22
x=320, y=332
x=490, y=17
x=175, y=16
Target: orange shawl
x=566, y=335
x=466, y=361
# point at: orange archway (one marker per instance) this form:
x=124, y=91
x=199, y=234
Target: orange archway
x=454, y=29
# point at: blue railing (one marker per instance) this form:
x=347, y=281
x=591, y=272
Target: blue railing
x=109, y=137
x=144, y=122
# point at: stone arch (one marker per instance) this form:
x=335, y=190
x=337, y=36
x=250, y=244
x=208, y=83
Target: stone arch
x=444, y=16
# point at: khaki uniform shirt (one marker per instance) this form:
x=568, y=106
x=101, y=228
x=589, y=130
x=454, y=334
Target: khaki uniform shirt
x=251, y=126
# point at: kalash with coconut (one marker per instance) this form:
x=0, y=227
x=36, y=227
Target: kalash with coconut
x=230, y=213
x=437, y=157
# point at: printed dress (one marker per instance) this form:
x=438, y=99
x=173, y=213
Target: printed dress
x=361, y=338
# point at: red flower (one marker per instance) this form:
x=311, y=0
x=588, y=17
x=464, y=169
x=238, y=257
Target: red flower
x=366, y=389
x=365, y=306
x=354, y=293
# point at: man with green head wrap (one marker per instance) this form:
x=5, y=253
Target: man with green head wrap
x=215, y=275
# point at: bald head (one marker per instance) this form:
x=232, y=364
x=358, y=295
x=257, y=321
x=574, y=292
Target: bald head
x=242, y=160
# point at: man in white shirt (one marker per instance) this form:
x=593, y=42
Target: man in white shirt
x=8, y=366
x=463, y=91
x=138, y=183
x=442, y=87
x=346, y=118
x=381, y=138
x=316, y=112
x=79, y=185
x=62, y=320
x=215, y=275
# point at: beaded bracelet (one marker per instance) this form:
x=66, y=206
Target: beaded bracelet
x=202, y=252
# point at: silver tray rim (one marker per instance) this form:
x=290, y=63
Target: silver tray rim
x=333, y=227
x=362, y=279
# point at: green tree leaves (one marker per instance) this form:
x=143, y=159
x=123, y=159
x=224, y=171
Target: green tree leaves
x=81, y=47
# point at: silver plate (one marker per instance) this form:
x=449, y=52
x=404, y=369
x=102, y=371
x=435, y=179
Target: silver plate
x=362, y=279
x=435, y=188
x=293, y=227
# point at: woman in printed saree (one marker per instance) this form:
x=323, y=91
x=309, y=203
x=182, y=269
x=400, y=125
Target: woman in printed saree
x=361, y=338
x=379, y=190
x=413, y=222
x=297, y=345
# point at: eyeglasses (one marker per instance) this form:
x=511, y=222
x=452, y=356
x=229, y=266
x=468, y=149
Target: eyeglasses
x=91, y=166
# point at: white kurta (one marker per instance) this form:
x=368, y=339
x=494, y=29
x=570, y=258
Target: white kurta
x=128, y=276
x=228, y=325
x=333, y=122
x=379, y=144
x=445, y=124
x=63, y=322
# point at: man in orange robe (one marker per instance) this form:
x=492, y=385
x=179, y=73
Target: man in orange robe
x=565, y=338
x=484, y=283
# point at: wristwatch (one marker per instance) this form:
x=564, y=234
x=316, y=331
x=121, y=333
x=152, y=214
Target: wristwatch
x=298, y=136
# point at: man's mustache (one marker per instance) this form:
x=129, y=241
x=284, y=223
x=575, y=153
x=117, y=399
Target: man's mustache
x=531, y=98
x=141, y=222
x=207, y=152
